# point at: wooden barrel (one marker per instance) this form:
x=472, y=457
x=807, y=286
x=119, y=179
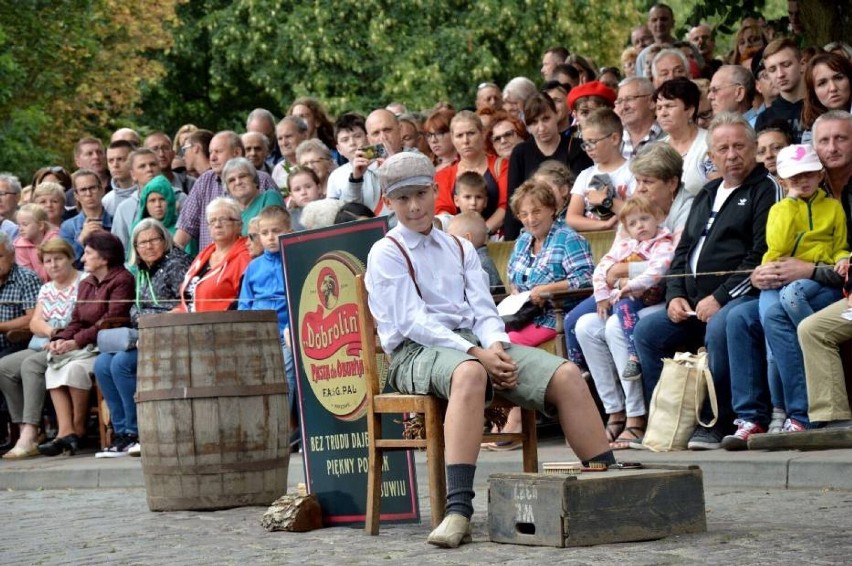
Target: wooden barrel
x=214, y=419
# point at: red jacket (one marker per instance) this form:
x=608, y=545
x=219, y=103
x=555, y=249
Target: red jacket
x=219, y=288
x=114, y=295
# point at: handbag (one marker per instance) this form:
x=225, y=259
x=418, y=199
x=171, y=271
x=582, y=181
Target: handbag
x=525, y=316
x=675, y=408
x=112, y=340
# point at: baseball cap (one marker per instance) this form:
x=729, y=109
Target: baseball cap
x=405, y=170
x=795, y=159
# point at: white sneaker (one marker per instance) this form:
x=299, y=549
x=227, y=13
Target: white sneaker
x=134, y=450
x=118, y=448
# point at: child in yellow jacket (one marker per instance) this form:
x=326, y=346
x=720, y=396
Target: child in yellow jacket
x=809, y=225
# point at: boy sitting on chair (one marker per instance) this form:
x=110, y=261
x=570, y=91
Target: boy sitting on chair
x=438, y=323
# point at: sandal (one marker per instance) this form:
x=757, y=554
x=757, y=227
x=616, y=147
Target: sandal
x=614, y=429
x=623, y=442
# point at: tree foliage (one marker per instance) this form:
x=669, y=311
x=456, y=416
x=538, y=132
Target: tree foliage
x=359, y=55
x=71, y=68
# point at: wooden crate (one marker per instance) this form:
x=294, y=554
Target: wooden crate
x=595, y=507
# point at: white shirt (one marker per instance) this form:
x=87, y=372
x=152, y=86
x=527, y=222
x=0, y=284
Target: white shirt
x=454, y=297
x=622, y=179
x=722, y=194
x=696, y=164
x=338, y=181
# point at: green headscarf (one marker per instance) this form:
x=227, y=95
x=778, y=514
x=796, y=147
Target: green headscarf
x=161, y=186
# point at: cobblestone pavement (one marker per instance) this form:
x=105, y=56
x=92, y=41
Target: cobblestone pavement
x=114, y=526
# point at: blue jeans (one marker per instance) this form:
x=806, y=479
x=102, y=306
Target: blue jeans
x=781, y=336
x=627, y=311
x=657, y=337
x=750, y=385
x=290, y=372
x=116, y=375
x=573, y=351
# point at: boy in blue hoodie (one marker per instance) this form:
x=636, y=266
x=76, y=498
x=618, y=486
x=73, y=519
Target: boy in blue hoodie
x=263, y=288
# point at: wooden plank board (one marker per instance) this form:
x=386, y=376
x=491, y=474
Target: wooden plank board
x=820, y=439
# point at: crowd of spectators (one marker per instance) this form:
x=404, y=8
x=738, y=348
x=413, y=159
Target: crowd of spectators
x=694, y=160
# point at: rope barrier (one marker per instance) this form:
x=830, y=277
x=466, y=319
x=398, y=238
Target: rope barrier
x=284, y=297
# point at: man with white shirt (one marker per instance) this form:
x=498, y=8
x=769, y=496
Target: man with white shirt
x=437, y=322
x=723, y=240
x=350, y=132
x=363, y=183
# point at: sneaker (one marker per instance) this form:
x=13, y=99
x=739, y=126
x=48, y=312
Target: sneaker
x=705, y=439
x=632, y=371
x=777, y=422
x=134, y=450
x=118, y=448
x=792, y=425
x=739, y=440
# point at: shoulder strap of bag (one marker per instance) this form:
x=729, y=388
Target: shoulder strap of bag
x=707, y=379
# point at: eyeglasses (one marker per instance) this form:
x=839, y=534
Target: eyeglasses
x=87, y=190
x=715, y=89
x=183, y=149
x=221, y=220
x=505, y=137
x=629, y=99
x=435, y=136
x=590, y=144
x=313, y=164
x=161, y=148
x=149, y=243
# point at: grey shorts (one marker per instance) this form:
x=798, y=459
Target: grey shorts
x=416, y=369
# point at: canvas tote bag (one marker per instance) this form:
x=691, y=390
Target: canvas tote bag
x=676, y=403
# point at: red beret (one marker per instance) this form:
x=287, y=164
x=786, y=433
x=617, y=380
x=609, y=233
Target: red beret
x=594, y=88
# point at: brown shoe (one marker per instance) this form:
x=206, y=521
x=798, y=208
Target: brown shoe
x=453, y=531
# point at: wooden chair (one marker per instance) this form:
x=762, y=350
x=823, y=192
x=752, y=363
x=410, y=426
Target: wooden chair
x=432, y=408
